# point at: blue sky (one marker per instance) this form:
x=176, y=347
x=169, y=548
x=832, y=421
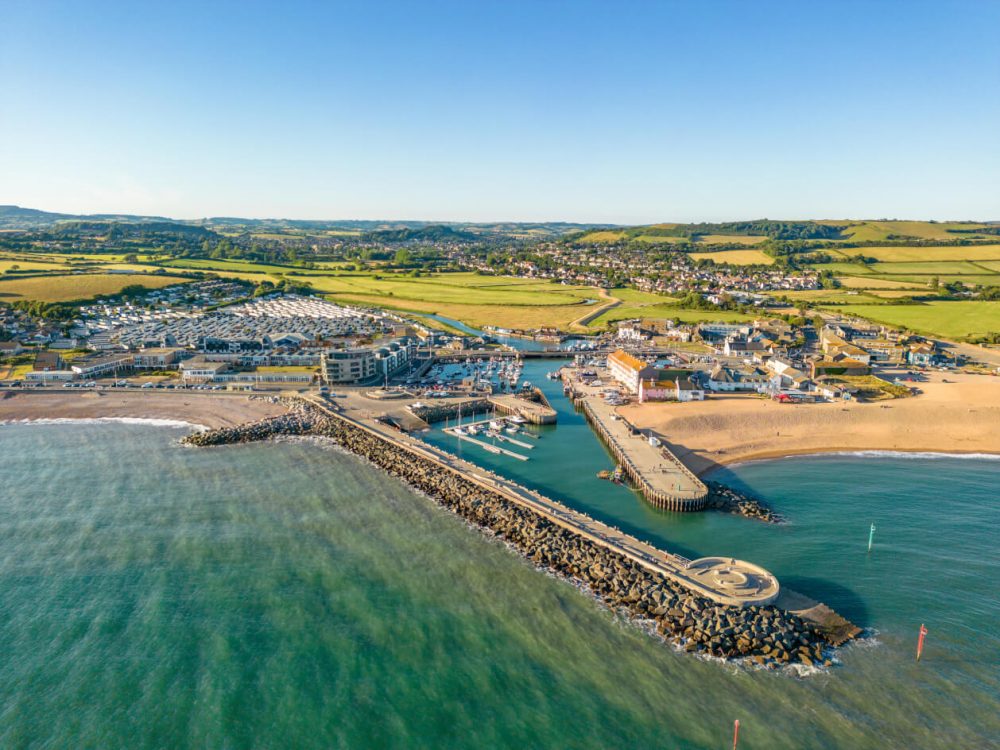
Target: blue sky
x=626, y=112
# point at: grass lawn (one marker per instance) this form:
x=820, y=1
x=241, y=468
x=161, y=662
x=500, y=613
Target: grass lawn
x=14, y=372
x=953, y=320
x=77, y=287
x=736, y=257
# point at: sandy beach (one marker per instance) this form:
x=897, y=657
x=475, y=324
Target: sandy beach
x=961, y=415
x=209, y=410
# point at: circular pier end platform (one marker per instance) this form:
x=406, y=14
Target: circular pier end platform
x=736, y=582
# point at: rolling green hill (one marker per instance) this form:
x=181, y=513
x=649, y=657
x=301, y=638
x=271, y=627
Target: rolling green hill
x=848, y=232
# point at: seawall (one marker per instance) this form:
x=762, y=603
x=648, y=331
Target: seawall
x=764, y=634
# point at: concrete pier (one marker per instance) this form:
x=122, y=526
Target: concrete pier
x=535, y=412
x=663, y=480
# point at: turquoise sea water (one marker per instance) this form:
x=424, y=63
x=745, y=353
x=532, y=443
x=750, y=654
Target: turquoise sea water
x=288, y=595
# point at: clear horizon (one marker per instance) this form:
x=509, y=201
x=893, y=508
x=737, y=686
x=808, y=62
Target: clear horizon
x=432, y=220
x=569, y=112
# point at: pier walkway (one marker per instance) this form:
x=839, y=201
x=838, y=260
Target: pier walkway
x=723, y=580
x=660, y=476
x=533, y=411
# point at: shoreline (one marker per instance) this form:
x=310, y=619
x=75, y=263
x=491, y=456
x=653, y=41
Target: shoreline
x=198, y=410
x=778, y=455
x=614, y=568
x=955, y=414
x=147, y=421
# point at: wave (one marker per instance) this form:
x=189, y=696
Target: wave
x=177, y=423
x=916, y=455
x=908, y=455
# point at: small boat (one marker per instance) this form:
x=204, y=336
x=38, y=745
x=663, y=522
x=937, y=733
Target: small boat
x=513, y=429
x=517, y=419
x=495, y=425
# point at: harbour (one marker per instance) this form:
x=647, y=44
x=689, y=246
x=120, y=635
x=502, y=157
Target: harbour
x=492, y=429
x=285, y=526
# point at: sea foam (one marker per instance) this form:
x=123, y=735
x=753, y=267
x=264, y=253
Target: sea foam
x=177, y=423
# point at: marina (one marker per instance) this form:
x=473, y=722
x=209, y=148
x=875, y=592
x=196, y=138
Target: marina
x=479, y=433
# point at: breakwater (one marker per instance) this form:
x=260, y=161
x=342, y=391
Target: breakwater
x=728, y=500
x=763, y=634
x=531, y=405
x=432, y=413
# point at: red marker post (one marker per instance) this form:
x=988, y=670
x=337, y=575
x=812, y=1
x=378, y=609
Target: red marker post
x=920, y=641
x=736, y=733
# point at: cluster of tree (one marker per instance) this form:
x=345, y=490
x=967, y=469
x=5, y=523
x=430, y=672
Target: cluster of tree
x=986, y=338
x=285, y=286
x=990, y=293
x=46, y=310
x=147, y=231
x=431, y=233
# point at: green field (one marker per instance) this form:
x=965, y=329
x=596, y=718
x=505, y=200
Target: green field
x=829, y=296
x=731, y=239
x=876, y=231
x=953, y=320
x=876, y=282
x=27, y=265
x=208, y=264
x=453, y=288
x=636, y=304
x=926, y=254
x=916, y=267
x=736, y=257
x=77, y=287
x=954, y=268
